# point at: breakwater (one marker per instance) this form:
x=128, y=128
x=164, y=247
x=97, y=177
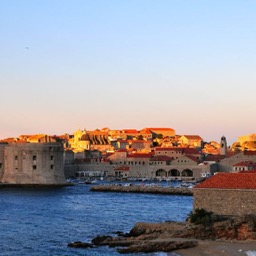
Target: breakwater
x=143, y=189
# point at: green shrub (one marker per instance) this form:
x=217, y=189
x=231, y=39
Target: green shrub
x=201, y=216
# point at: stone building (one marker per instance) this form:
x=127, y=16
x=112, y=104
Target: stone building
x=165, y=132
x=32, y=163
x=226, y=164
x=194, y=141
x=244, y=166
x=176, y=152
x=227, y=194
x=149, y=165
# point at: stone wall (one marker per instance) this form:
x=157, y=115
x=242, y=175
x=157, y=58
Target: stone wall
x=2, y=146
x=225, y=201
x=33, y=163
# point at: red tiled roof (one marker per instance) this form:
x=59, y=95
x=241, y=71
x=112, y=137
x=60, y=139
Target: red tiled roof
x=230, y=181
x=122, y=168
x=160, y=129
x=145, y=132
x=168, y=149
x=249, y=153
x=193, y=158
x=140, y=155
x=245, y=163
x=130, y=130
x=232, y=153
x=215, y=158
x=190, y=151
x=161, y=158
x=108, y=154
x=249, y=171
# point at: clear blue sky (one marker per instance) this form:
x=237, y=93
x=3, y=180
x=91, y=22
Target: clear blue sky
x=188, y=65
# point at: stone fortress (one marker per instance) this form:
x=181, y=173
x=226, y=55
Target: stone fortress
x=31, y=163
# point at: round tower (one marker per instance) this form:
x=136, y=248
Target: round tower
x=223, y=146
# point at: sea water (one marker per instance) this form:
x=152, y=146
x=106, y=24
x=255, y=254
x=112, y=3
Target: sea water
x=42, y=221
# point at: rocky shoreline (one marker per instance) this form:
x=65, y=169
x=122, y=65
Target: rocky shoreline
x=170, y=236
x=143, y=189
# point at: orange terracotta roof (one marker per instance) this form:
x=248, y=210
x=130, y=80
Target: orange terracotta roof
x=193, y=137
x=160, y=129
x=145, y=132
x=130, y=130
x=230, y=181
x=9, y=140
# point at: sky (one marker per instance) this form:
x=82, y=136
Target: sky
x=122, y=64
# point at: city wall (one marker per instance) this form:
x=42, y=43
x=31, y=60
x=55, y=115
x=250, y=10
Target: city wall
x=225, y=201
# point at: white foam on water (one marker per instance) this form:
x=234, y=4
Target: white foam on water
x=250, y=253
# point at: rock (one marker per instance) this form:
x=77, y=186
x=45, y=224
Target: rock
x=158, y=245
x=168, y=236
x=79, y=244
x=102, y=240
x=119, y=233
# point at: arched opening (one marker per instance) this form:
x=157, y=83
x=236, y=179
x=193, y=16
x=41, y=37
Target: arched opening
x=161, y=173
x=187, y=173
x=173, y=173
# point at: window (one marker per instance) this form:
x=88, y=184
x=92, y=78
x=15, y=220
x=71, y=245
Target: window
x=34, y=157
x=16, y=157
x=52, y=157
x=34, y=167
x=52, y=167
x=1, y=165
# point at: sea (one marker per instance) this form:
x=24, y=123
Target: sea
x=43, y=221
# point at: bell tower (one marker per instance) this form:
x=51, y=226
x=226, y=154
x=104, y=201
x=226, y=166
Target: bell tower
x=223, y=146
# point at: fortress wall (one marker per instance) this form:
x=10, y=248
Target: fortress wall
x=225, y=201
x=2, y=146
x=33, y=163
